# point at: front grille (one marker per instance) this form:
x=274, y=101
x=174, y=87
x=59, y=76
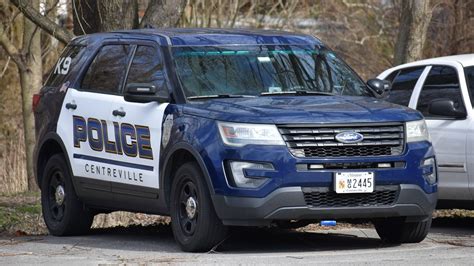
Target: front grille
x=320, y=141
x=323, y=198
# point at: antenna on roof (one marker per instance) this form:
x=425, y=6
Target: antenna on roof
x=148, y=26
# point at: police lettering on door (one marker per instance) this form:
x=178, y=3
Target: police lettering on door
x=126, y=139
x=131, y=140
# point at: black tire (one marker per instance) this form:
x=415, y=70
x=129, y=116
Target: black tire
x=194, y=231
x=397, y=231
x=66, y=217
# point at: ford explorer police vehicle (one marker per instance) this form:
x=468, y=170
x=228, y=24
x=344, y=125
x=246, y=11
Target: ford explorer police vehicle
x=220, y=128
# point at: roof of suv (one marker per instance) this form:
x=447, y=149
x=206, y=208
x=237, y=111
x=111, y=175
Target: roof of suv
x=212, y=36
x=463, y=59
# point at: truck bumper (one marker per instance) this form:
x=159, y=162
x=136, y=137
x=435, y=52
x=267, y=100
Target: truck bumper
x=297, y=203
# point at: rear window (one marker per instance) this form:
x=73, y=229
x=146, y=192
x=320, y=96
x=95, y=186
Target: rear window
x=106, y=72
x=63, y=66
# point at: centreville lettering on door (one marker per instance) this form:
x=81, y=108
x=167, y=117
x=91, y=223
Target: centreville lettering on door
x=131, y=140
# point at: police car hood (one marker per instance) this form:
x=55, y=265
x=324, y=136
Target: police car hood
x=301, y=109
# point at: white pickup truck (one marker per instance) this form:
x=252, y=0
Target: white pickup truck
x=442, y=89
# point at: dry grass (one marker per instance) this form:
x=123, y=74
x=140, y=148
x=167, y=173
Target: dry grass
x=13, y=177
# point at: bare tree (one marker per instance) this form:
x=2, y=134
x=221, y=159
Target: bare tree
x=28, y=61
x=111, y=14
x=415, y=17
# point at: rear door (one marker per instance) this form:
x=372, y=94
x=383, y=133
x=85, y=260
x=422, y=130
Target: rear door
x=85, y=124
x=142, y=122
x=449, y=135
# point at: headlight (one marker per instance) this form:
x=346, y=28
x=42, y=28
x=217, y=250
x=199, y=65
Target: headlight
x=237, y=134
x=417, y=131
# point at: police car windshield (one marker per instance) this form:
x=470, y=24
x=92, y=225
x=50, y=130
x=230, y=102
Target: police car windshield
x=264, y=70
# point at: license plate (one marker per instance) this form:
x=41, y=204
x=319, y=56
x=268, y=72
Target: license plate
x=354, y=182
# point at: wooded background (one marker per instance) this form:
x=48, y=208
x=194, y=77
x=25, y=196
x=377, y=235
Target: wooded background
x=370, y=35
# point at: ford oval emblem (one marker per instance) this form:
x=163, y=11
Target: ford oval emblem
x=349, y=137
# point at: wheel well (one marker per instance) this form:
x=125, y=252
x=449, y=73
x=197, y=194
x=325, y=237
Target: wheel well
x=49, y=148
x=178, y=158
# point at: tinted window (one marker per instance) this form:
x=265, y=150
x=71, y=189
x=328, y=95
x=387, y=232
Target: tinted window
x=147, y=67
x=470, y=82
x=64, y=65
x=392, y=76
x=403, y=85
x=106, y=72
x=255, y=69
x=442, y=83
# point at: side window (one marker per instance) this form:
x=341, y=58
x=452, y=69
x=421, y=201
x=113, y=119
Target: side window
x=392, y=76
x=106, y=72
x=147, y=67
x=441, y=83
x=64, y=65
x=403, y=85
x=469, y=72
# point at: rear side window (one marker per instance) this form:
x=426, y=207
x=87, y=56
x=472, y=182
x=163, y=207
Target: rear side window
x=403, y=85
x=106, y=72
x=147, y=67
x=64, y=65
x=469, y=71
x=441, y=83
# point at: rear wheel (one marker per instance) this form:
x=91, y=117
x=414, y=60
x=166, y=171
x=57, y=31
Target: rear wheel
x=195, y=224
x=396, y=230
x=63, y=212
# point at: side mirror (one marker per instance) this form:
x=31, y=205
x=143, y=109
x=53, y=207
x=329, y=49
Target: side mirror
x=445, y=108
x=381, y=88
x=142, y=93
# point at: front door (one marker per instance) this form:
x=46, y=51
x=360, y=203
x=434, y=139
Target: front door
x=141, y=126
x=448, y=134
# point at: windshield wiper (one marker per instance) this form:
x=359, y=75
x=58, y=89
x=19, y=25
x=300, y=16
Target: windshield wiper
x=219, y=96
x=297, y=93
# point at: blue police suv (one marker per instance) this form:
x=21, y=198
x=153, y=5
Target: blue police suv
x=220, y=128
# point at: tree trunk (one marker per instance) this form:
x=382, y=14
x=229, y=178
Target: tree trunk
x=30, y=80
x=13, y=177
x=163, y=13
x=117, y=14
x=415, y=17
x=85, y=16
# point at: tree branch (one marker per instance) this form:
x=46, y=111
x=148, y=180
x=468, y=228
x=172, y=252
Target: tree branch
x=43, y=22
x=11, y=49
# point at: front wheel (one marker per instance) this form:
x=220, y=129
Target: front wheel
x=195, y=224
x=63, y=212
x=397, y=231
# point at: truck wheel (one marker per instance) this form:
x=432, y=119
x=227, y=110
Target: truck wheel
x=195, y=224
x=64, y=214
x=398, y=231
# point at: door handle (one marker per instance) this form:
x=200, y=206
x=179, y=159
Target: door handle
x=119, y=113
x=72, y=106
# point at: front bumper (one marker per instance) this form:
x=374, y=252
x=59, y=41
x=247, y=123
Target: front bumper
x=289, y=203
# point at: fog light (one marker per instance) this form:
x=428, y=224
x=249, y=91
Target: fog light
x=239, y=178
x=429, y=171
x=316, y=166
x=384, y=165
